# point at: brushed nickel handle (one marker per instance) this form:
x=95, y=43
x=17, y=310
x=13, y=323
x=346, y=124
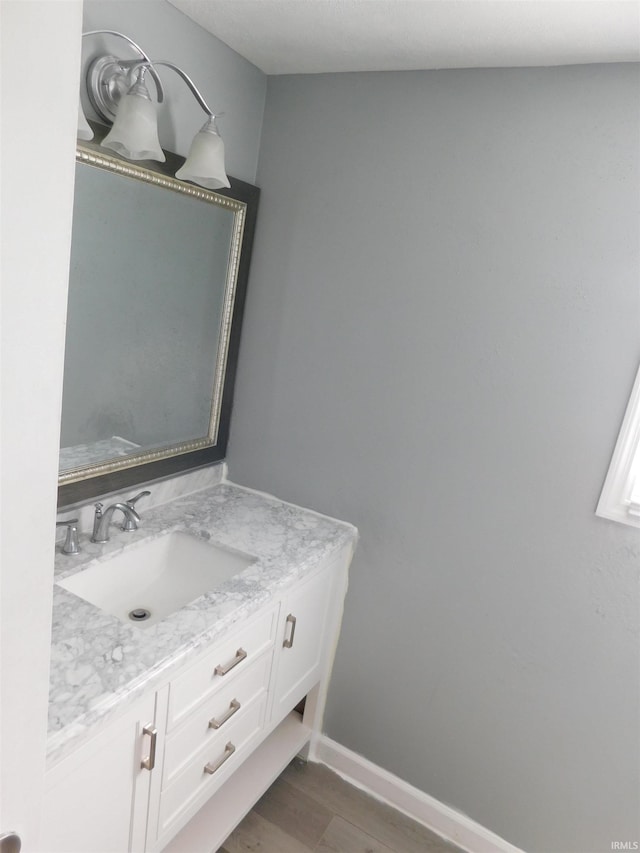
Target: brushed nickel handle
x=70, y=543
x=132, y=501
x=291, y=619
x=10, y=843
x=234, y=707
x=228, y=752
x=149, y=762
x=223, y=669
x=129, y=522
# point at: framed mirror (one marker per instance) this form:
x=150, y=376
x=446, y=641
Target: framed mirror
x=157, y=284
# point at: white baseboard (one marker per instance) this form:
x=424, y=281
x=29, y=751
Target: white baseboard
x=436, y=816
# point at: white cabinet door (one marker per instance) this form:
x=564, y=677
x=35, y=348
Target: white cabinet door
x=96, y=800
x=301, y=642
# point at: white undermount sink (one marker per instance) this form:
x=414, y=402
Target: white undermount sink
x=156, y=578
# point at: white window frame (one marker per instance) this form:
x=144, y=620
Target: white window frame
x=620, y=498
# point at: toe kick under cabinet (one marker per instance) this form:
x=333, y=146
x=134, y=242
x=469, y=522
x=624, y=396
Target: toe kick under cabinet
x=183, y=764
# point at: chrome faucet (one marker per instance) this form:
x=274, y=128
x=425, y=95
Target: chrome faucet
x=102, y=520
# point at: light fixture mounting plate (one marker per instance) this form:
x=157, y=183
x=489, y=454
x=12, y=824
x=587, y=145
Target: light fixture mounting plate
x=107, y=82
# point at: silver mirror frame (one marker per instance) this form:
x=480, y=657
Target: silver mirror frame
x=90, y=480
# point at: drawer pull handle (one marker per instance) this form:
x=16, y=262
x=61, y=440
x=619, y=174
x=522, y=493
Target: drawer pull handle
x=150, y=762
x=223, y=669
x=234, y=707
x=291, y=619
x=228, y=752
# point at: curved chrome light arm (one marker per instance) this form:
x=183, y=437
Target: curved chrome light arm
x=138, y=49
x=117, y=91
x=133, y=66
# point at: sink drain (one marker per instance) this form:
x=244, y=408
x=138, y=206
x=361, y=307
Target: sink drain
x=139, y=614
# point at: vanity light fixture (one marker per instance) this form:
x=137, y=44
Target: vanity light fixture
x=118, y=93
x=84, y=128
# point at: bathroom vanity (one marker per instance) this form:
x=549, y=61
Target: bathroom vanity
x=163, y=736
x=166, y=727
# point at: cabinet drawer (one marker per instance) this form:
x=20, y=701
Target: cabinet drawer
x=208, y=724
x=220, y=666
x=194, y=784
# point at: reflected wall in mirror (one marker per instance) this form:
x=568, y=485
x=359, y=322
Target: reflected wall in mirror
x=156, y=290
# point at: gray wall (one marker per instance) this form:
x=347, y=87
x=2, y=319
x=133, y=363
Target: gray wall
x=228, y=82
x=441, y=336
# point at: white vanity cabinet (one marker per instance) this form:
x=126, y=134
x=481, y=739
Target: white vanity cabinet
x=299, y=650
x=215, y=714
x=226, y=728
x=96, y=800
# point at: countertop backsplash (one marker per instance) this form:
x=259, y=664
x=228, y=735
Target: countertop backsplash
x=162, y=492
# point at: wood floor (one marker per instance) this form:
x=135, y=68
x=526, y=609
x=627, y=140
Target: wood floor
x=310, y=809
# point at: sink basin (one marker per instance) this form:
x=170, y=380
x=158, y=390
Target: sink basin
x=145, y=584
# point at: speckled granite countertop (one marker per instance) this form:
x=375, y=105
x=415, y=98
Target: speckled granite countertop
x=98, y=663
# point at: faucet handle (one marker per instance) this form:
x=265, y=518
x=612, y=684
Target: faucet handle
x=130, y=522
x=96, y=521
x=71, y=542
x=132, y=501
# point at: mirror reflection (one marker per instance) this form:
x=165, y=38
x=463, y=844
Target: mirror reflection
x=151, y=291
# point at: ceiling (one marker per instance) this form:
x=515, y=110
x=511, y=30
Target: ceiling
x=315, y=36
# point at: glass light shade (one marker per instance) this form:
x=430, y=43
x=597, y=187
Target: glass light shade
x=135, y=130
x=84, y=130
x=205, y=163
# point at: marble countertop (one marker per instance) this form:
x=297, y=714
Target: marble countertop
x=99, y=663
x=79, y=455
